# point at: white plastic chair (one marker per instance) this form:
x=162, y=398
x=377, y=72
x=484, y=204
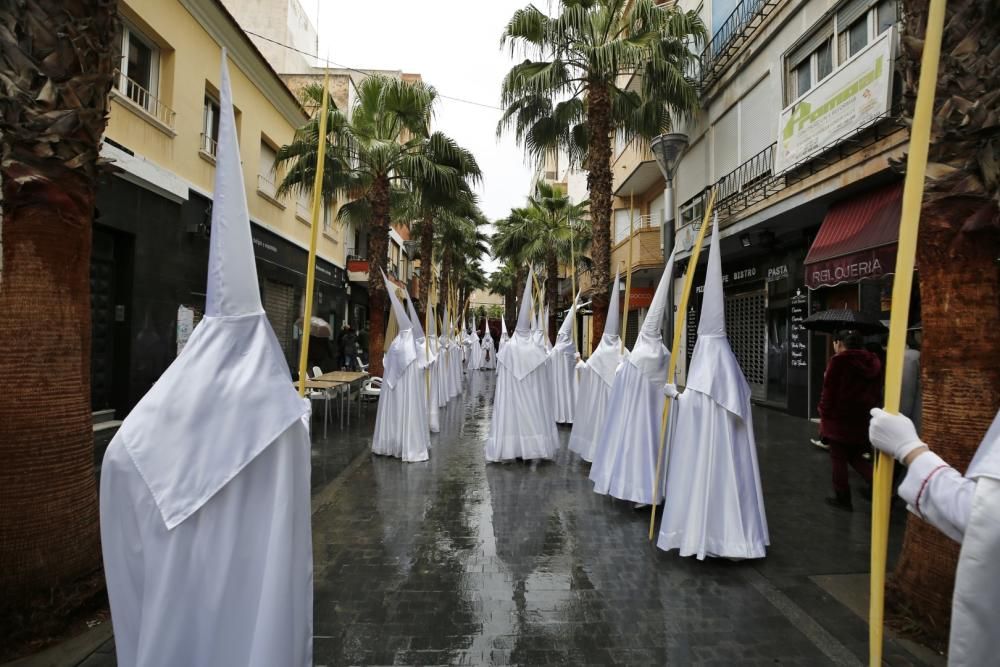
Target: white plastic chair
x=363, y=367
x=320, y=395
x=372, y=388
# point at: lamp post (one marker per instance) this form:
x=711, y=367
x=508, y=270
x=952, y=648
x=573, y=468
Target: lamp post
x=667, y=149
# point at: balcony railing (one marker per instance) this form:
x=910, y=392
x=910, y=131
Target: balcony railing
x=734, y=32
x=144, y=99
x=209, y=146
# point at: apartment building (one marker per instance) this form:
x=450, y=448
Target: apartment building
x=798, y=131
x=150, y=244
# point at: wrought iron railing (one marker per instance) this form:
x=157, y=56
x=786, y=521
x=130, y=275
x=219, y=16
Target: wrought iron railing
x=145, y=100
x=734, y=32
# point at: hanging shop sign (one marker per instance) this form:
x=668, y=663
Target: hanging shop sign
x=850, y=98
x=640, y=297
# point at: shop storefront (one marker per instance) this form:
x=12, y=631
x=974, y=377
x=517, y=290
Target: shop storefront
x=766, y=300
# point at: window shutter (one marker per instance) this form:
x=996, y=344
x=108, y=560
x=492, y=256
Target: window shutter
x=851, y=12
x=810, y=44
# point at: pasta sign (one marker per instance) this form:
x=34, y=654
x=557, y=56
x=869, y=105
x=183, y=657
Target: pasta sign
x=850, y=98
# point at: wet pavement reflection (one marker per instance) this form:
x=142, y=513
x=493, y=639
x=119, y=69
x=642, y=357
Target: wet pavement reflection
x=452, y=561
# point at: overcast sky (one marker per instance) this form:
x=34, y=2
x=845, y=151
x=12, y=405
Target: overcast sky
x=455, y=46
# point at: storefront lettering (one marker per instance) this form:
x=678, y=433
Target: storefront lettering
x=264, y=246
x=855, y=271
x=777, y=273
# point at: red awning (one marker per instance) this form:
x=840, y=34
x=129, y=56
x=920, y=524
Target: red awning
x=857, y=239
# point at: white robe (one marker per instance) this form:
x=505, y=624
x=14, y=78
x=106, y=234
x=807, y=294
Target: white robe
x=231, y=586
x=715, y=505
x=593, y=395
x=428, y=364
x=562, y=363
x=489, y=354
x=522, y=425
x=625, y=461
x=714, y=502
x=401, y=428
x=475, y=353
x=967, y=509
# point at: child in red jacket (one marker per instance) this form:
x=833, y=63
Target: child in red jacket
x=852, y=386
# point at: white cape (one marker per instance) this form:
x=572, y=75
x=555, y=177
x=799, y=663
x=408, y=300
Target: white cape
x=715, y=506
x=625, y=460
x=522, y=425
x=489, y=353
x=562, y=363
x=205, y=503
x=401, y=428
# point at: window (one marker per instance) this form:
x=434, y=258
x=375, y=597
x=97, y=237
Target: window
x=621, y=225
x=328, y=215
x=692, y=211
x=139, y=68
x=266, y=176
x=210, y=126
x=855, y=25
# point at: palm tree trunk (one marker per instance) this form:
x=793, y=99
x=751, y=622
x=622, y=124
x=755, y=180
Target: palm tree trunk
x=49, y=541
x=426, y=266
x=956, y=258
x=378, y=252
x=552, y=292
x=960, y=382
x=599, y=183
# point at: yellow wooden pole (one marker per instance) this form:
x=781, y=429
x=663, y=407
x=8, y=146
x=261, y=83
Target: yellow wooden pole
x=572, y=278
x=674, y=348
x=314, y=235
x=628, y=274
x=909, y=224
x=427, y=324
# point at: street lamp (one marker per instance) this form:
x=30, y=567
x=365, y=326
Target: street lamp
x=667, y=149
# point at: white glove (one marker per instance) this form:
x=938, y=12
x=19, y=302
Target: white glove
x=670, y=389
x=893, y=434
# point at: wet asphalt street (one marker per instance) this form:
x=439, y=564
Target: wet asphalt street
x=454, y=561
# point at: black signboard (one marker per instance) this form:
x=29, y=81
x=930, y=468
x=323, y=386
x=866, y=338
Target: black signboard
x=799, y=358
x=272, y=248
x=691, y=324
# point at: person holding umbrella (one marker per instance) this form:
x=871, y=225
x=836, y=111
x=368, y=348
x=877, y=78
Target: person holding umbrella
x=851, y=389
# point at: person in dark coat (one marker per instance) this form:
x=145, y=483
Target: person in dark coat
x=348, y=346
x=851, y=388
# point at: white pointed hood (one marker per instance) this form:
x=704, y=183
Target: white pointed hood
x=564, y=339
x=504, y=337
x=425, y=352
x=446, y=329
x=605, y=359
x=403, y=350
x=487, y=336
x=714, y=370
x=526, y=313
x=521, y=355
x=649, y=354
x=229, y=394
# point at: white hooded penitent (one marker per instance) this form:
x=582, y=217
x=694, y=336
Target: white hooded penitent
x=562, y=363
x=596, y=377
x=504, y=338
x=489, y=353
x=205, y=516
x=625, y=460
x=714, y=503
x=401, y=428
x=427, y=360
x=523, y=426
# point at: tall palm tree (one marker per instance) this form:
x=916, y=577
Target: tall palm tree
x=958, y=246
x=505, y=281
x=575, y=90
x=427, y=199
x=378, y=153
x=57, y=64
x=460, y=241
x=549, y=231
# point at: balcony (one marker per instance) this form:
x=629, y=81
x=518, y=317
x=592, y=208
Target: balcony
x=357, y=267
x=267, y=189
x=208, y=148
x=143, y=101
x=634, y=171
x=645, y=245
x=736, y=31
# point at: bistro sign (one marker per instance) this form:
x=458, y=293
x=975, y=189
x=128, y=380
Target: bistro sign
x=850, y=98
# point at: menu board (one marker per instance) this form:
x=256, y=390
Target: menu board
x=799, y=335
x=691, y=324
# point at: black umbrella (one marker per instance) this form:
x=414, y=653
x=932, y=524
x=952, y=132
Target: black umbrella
x=840, y=319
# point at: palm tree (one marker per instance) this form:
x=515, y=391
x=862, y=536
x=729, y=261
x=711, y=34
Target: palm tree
x=384, y=149
x=58, y=59
x=575, y=90
x=505, y=281
x=460, y=241
x=958, y=246
x=549, y=231
x=427, y=199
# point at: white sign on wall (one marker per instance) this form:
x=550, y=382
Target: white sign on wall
x=185, y=325
x=853, y=96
